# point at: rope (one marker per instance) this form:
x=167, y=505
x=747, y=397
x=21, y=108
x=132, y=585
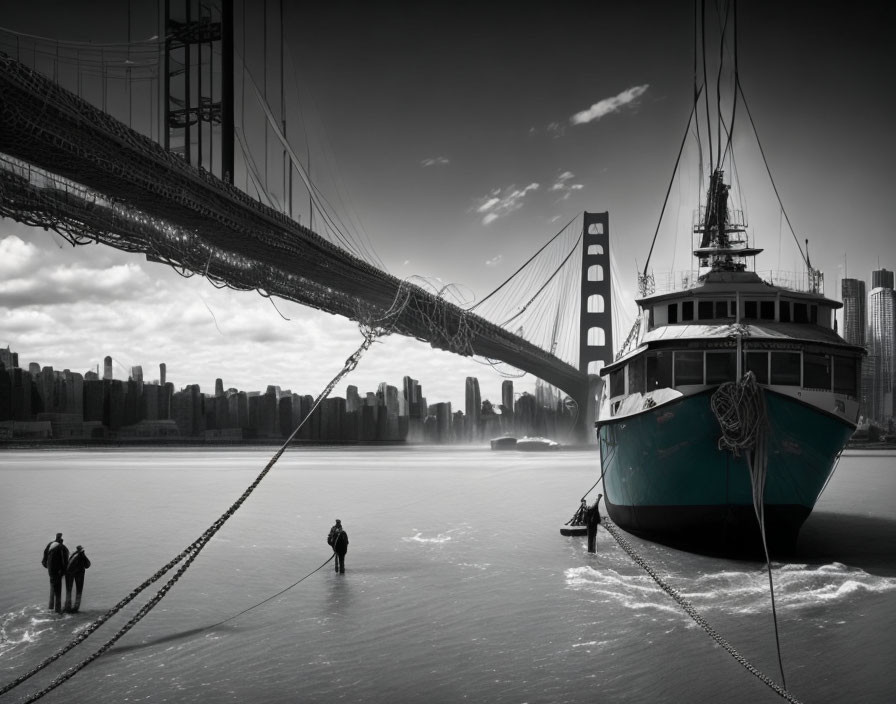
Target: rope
x=693, y=613
x=741, y=412
x=215, y=625
x=190, y=552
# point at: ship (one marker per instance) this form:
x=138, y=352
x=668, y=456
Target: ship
x=722, y=417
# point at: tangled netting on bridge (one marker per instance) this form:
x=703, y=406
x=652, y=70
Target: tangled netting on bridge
x=74, y=169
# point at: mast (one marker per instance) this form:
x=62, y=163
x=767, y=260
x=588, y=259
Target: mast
x=723, y=239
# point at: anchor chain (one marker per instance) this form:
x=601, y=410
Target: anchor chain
x=693, y=613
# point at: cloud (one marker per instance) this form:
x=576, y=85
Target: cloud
x=17, y=257
x=563, y=186
x=24, y=283
x=494, y=261
x=501, y=202
x=608, y=105
x=436, y=161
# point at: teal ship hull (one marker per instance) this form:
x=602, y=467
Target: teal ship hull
x=666, y=479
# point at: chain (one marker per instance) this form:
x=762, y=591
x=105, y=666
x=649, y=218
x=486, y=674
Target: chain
x=692, y=612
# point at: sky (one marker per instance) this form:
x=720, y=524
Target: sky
x=459, y=138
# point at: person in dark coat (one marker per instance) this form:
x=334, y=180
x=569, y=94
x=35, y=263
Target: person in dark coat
x=55, y=560
x=74, y=572
x=338, y=540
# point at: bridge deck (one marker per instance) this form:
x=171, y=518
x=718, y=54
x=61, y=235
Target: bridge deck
x=121, y=188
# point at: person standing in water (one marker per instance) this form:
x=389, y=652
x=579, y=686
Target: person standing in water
x=74, y=572
x=55, y=560
x=338, y=540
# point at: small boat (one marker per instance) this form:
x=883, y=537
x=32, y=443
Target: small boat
x=536, y=444
x=505, y=442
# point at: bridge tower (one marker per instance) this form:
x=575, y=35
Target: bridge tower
x=197, y=96
x=595, y=318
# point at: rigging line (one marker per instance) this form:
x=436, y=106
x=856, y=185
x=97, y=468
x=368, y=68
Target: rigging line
x=736, y=78
x=671, y=181
x=706, y=96
x=538, y=292
x=724, y=29
x=769, y=171
x=525, y=264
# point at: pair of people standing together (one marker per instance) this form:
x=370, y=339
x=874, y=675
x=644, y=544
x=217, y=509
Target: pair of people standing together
x=60, y=563
x=338, y=540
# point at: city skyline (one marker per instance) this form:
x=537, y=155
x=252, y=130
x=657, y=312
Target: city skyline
x=462, y=144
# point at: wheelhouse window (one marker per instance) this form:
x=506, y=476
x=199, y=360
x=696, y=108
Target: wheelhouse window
x=750, y=310
x=784, y=311
x=673, y=313
x=817, y=371
x=800, y=313
x=767, y=310
x=721, y=367
x=688, y=368
x=721, y=309
x=636, y=375
x=757, y=362
x=813, y=315
x=617, y=382
x=846, y=375
x=687, y=310
x=785, y=368
x=704, y=310
x=658, y=370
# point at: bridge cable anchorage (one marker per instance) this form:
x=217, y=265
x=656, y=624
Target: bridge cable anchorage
x=689, y=609
x=740, y=409
x=191, y=552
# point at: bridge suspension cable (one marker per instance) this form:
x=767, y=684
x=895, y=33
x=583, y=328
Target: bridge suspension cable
x=540, y=299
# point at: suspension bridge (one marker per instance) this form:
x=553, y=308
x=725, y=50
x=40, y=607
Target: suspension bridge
x=68, y=165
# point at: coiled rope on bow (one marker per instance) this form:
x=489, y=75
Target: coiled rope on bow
x=739, y=408
x=370, y=330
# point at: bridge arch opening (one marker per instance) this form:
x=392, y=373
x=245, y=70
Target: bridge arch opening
x=595, y=272
x=596, y=228
x=595, y=249
x=595, y=366
x=596, y=303
x=597, y=337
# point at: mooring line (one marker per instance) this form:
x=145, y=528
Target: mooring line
x=245, y=611
x=613, y=530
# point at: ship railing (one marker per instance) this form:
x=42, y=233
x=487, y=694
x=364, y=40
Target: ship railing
x=672, y=281
x=736, y=219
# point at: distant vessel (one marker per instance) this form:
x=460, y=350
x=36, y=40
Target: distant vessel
x=505, y=442
x=730, y=387
x=536, y=444
x=524, y=444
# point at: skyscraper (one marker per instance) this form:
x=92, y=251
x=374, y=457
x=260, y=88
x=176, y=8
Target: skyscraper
x=854, y=318
x=162, y=370
x=882, y=344
x=107, y=368
x=881, y=279
x=472, y=407
x=855, y=322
